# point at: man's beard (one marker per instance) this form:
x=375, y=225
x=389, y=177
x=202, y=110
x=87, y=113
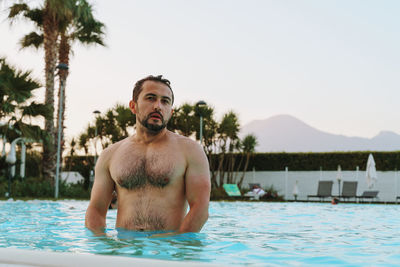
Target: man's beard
x=153, y=128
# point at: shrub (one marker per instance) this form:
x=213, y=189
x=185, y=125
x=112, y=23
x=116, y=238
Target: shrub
x=271, y=194
x=77, y=191
x=33, y=187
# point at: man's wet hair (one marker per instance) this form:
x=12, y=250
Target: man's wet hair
x=139, y=86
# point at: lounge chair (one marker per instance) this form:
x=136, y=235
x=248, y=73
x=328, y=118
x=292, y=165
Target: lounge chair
x=349, y=190
x=369, y=195
x=232, y=190
x=255, y=192
x=252, y=185
x=324, y=190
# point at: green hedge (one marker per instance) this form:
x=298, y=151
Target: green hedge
x=38, y=188
x=328, y=161
x=385, y=161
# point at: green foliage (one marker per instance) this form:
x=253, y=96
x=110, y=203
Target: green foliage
x=249, y=143
x=328, y=161
x=218, y=193
x=39, y=188
x=33, y=162
x=112, y=126
x=183, y=120
x=31, y=187
x=271, y=194
x=82, y=164
x=3, y=167
x=16, y=107
x=75, y=191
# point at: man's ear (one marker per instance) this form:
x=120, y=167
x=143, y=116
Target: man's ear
x=132, y=106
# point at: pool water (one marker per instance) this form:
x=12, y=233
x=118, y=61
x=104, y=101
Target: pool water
x=237, y=233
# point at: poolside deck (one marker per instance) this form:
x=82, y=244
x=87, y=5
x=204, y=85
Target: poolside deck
x=13, y=257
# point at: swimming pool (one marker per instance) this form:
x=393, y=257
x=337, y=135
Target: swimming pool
x=237, y=233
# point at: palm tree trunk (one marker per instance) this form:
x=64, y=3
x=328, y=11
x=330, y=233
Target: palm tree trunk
x=50, y=46
x=230, y=168
x=221, y=169
x=214, y=183
x=233, y=168
x=244, y=170
x=63, y=57
x=239, y=165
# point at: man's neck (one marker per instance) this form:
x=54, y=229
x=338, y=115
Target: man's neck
x=143, y=135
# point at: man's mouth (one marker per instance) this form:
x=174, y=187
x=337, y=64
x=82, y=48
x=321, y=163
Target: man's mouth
x=156, y=116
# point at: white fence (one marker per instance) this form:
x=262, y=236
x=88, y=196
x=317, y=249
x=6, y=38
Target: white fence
x=307, y=182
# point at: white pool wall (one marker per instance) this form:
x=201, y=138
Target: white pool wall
x=388, y=183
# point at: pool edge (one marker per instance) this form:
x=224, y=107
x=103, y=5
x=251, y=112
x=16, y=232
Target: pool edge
x=14, y=256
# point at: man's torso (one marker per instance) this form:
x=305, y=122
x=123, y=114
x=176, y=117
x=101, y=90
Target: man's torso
x=149, y=180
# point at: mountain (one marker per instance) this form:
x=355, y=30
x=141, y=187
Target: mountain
x=289, y=134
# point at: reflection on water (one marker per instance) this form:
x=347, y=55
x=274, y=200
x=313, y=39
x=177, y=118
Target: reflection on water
x=237, y=233
x=186, y=246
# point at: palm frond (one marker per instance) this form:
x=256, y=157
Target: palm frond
x=17, y=84
x=17, y=9
x=35, y=15
x=33, y=132
x=35, y=109
x=32, y=39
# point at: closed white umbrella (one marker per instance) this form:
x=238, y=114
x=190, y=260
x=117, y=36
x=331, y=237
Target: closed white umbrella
x=339, y=177
x=371, y=172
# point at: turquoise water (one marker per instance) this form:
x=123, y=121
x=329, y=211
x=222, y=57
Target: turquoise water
x=259, y=233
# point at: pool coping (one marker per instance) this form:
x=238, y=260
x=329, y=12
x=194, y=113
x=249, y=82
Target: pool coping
x=28, y=258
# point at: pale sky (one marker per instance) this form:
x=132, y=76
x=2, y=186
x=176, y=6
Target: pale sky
x=333, y=64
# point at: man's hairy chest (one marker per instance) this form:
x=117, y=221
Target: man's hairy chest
x=134, y=170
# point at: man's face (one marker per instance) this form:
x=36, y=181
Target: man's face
x=154, y=106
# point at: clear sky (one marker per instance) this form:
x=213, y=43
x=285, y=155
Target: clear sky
x=333, y=64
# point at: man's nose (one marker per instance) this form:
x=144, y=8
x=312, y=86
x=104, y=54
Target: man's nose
x=157, y=105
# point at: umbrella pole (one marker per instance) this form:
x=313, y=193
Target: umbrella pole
x=395, y=182
x=286, y=182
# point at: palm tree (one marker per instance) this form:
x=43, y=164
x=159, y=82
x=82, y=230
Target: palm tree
x=210, y=134
x=16, y=107
x=124, y=118
x=249, y=144
x=72, y=20
x=228, y=134
x=182, y=120
x=52, y=11
x=83, y=142
x=112, y=126
x=81, y=27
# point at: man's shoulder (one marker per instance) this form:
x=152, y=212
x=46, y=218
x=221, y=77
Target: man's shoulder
x=188, y=146
x=113, y=147
x=183, y=140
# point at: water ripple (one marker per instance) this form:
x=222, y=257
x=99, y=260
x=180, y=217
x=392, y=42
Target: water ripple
x=237, y=233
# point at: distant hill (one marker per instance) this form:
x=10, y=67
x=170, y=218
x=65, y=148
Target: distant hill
x=289, y=134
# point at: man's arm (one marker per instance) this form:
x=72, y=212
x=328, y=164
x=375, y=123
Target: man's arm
x=101, y=196
x=198, y=186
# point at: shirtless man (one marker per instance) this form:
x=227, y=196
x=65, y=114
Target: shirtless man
x=155, y=172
